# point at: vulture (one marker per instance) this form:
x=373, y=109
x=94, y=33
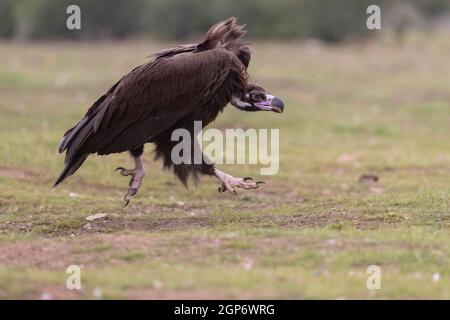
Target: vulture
x=178, y=86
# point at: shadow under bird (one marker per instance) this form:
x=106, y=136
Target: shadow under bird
x=180, y=85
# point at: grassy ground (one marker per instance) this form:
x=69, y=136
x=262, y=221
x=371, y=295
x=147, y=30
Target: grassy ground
x=377, y=108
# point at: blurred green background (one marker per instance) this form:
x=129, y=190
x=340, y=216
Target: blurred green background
x=328, y=20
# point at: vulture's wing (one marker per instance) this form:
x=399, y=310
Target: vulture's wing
x=145, y=102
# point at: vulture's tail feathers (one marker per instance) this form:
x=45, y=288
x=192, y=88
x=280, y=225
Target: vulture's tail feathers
x=70, y=168
x=72, y=142
x=75, y=138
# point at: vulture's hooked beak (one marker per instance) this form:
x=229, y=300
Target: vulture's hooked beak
x=271, y=103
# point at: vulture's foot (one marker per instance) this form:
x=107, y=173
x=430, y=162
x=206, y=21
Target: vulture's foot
x=137, y=175
x=229, y=183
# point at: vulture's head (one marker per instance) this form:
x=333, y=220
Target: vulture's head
x=257, y=99
x=228, y=34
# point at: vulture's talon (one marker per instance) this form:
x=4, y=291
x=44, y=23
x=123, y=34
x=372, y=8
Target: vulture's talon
x=131, y=193
x=229, y=183
x=124, y=172
x=137, y=175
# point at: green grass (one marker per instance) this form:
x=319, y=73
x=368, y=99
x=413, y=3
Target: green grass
x=310, y=232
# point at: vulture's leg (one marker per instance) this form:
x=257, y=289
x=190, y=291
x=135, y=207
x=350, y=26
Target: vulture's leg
x=137, y=174
x=229, y=182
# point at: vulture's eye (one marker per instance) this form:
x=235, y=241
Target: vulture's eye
x=256, y=96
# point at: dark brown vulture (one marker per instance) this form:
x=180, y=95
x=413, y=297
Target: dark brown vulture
x=180, y=85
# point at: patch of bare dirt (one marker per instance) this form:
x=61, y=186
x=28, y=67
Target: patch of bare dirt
x=313, y=220
x=141, y=224
x=199, y=218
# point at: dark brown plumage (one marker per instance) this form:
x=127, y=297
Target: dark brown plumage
x=180, y=85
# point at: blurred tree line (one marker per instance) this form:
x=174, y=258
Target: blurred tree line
x=329, y=20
